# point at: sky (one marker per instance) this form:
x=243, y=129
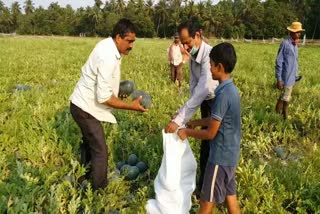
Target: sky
x=62, y=3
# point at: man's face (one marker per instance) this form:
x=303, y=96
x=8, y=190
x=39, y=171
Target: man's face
x=176, y=40
x=187, y=41
x=125, y=44
x=295, y=35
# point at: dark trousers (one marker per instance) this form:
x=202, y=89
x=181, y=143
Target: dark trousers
x=93, y=149
x=176, y=72
x=205, y=144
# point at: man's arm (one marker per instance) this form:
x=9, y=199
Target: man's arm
x=201, y=122
x=279, y=66
x=204, y=134
x=200, y=92
x=135, y=105
x=104, y=91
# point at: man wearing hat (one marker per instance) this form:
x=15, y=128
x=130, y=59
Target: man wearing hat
x=176, y=58
x=287, y=67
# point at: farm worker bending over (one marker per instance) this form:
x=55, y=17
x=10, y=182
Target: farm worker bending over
x=96, y=94
x=287, y=67
x=202, y=86
x=176, y=59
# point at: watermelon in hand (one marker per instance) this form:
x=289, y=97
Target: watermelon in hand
x=126, y=88
x=146, y=98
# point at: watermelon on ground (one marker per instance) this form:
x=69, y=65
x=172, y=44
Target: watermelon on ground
x=133, y=173
x=142, y=166
x=133, y=160
x=280, y=152
x=124, y=169
x=120, y=164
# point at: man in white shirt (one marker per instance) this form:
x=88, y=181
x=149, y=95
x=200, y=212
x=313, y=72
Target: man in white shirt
x=96, y=94
x=176, y=52
x=202, y=86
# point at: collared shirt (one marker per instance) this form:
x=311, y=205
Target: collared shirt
x=287, y=63
x=225, y=147
x=99, y=80
x=201, y=84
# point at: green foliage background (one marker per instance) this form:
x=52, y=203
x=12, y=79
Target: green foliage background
x=228, y=18
x=39, y=140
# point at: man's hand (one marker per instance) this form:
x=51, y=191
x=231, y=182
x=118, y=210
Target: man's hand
x=123, y=96
x=191, y=125
x=280, y=85
x=137, y=106
x=182, y=134
x=171, y=127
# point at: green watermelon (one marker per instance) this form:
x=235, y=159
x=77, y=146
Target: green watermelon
x=126, y=87
x=146, y=98
x=124, y=169
x=142, y=167
x=133, y=173
x=280, y=152
x=133, y=160
x=120, y=164
x=20, y=87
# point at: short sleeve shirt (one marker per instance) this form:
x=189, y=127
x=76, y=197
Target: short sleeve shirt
x=225, y=147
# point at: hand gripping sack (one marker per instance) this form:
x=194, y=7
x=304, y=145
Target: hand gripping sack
x=176, y=178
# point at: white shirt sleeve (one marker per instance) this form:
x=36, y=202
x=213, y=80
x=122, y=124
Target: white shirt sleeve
x=105, y=70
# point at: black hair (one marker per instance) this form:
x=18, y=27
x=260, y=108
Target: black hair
x=225, y=54
x=192, y=26
x=123, y=27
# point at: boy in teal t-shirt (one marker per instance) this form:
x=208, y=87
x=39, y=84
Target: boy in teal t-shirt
x=224, y=131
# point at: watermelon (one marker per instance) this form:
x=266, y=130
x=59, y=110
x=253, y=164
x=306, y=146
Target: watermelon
x=120, y=164
x=146, y=98
x=280, y=152
x=133, y=173
x=142, y=166
x=126, y=88
x=133, y=160
x=20, y=87
x=124, y=169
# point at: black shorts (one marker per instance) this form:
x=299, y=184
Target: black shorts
x=219, y=182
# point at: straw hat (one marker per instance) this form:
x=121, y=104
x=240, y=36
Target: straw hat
x=295, y=27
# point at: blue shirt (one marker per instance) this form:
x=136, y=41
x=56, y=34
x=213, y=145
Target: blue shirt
x=287, y=63
x=225, y=147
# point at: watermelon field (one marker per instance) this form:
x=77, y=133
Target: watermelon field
x=39, y=141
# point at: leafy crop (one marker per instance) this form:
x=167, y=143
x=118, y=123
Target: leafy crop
x=39, y=141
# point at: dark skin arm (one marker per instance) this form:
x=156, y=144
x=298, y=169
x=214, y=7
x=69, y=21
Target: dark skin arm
x=279, y=84
x=201, y=122
x=204, y=134
x=135, y=105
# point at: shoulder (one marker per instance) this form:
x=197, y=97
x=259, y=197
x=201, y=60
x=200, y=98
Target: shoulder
x=207, y=48
x=230, y=92
x=106, y=49
x=205, y=53
x=286, y=42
